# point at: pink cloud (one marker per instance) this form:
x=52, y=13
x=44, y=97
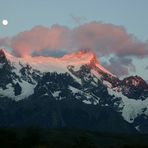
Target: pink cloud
x=104, y=39
x=38, y=39
x=108, y=38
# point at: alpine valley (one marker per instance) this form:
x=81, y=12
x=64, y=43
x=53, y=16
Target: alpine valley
x=73, y=91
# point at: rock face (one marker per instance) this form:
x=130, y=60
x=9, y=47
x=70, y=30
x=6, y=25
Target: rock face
x=72, y=91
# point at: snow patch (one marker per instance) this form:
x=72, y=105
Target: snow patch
x=137, y=128
x=106, y=83
x=8, y=92
x=27, y=90
x=74, y=90
x=132, y=108
x=86, y=102
x=56, y=94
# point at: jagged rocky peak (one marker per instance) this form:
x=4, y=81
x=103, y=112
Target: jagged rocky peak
x=78, y=58
x=135, y=81
x=86, y=60
x=2, y=53
x=84, y=54
x=93, y=57
x=3, y=56
x=47, y=64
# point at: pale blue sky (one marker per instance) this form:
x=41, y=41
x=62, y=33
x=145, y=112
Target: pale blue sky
x=25, y=14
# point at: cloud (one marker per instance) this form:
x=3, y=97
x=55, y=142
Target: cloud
x=5, y=41
x=78, y=20
x=40, y=38
x=146, y=67
x=109, y=39
x=104, y=39
x=120, y=66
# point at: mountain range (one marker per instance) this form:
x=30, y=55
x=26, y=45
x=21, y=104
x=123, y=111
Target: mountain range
x=73, y=91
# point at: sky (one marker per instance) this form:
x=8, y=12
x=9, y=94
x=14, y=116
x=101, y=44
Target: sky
x=122, y=18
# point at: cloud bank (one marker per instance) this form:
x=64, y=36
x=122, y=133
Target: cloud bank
x=104, y=39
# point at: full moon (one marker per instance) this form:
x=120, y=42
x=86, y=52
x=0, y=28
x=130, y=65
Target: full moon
x=5, y=22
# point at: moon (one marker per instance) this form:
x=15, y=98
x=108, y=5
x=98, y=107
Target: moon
x=5, y=22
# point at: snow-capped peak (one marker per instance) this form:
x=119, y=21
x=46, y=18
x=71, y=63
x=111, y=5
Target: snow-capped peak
x=27, y=77
x=59, y=65
x=4, y=53
x=77, y=75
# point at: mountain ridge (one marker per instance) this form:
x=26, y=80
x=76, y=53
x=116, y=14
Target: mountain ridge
x=76, y=59
x=76, y=79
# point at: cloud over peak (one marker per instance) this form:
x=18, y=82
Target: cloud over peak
x=104, y=39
